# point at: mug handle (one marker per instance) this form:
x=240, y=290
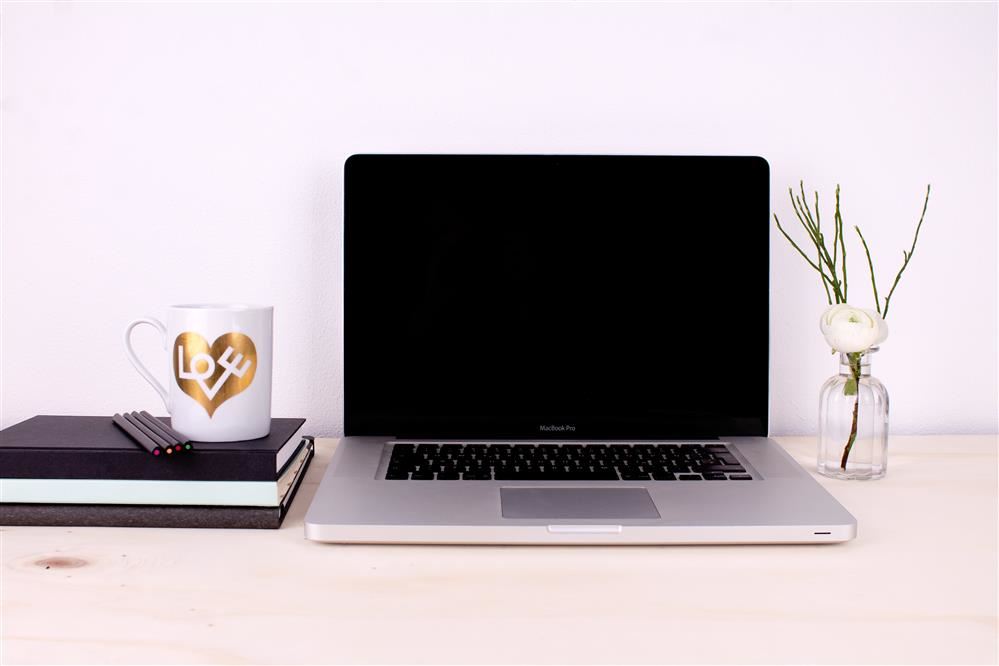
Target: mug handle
x=143, y=370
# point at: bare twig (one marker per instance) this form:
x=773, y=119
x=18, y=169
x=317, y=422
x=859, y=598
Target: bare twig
x=836, y=232
x=842, y=243
x=790, y=240
x=832, y=269
x=818, y=225
x=824, y=285
x=908, y=255
x=815, y=235
x=870, y=264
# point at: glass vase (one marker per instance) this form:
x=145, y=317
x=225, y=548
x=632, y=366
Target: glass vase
x=853, y=421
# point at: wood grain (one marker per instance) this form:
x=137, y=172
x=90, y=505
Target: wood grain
x=917, y=586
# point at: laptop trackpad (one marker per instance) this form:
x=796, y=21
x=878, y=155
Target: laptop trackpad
x=577, y=503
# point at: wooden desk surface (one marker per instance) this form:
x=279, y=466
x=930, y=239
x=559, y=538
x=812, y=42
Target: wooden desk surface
x=918, y=585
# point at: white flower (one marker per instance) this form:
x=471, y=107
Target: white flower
x=849, y=329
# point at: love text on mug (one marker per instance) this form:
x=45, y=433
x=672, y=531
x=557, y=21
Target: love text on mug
x=211, y=374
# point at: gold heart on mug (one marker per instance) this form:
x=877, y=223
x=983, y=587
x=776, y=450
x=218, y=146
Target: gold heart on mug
x=213, y=374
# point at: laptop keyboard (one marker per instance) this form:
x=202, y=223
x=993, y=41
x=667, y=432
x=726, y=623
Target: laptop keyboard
x=564, y=462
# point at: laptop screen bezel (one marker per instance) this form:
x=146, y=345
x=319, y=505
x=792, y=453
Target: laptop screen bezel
x=360, y=420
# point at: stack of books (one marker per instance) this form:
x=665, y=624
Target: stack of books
x=82, y=470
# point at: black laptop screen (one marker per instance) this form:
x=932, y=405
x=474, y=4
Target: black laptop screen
x=556, y=296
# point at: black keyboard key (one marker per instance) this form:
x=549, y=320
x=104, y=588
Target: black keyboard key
x=724, y=468
x=575, y=462
x=740, y=477
x=587, y=474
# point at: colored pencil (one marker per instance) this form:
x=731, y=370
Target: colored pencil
x=153, y=424
x=177, y=437
x=167, y=446
x=137, y=435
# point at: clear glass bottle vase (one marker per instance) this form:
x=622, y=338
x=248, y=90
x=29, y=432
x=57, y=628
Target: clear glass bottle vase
x=853, y=421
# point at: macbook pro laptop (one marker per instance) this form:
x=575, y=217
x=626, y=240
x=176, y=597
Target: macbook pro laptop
x=547, y=349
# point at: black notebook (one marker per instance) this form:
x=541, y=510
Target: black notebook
x=125, y=515
x=92, y=447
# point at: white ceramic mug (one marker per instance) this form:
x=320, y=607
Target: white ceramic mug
x=219, y=359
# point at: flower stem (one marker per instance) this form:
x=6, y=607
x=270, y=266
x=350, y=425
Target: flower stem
x=853, y=435
x=854, y=384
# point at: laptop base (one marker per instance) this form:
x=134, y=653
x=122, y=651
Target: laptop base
x=782, y=504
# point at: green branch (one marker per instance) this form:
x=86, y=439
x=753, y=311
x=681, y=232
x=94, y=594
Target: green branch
x=813, y=228
x=818, y=225
x=842, y=242
x=832, y=268
x=908, y=255
x=824, y=285
x=804, y=256
x=870, y=264
x=836, y=233
x=818, y=240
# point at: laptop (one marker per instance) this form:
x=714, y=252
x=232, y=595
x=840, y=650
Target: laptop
x=553, y=349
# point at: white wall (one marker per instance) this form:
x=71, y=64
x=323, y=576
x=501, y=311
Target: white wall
x=163, y=153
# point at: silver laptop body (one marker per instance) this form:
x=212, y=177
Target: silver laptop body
x=449, y=444
x=783, y=504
